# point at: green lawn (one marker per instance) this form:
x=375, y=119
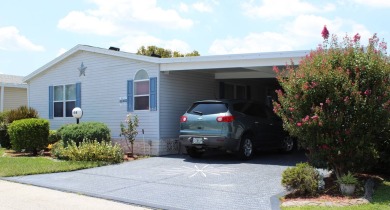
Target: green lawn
x=381, y=201
x=17, y=166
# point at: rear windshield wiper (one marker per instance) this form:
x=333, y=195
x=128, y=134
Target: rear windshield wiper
x=198, y=112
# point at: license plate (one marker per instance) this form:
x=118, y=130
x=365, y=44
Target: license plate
x=197, y=140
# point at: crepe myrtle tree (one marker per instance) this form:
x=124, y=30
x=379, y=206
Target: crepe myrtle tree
x=129, y=130
x=337, y=102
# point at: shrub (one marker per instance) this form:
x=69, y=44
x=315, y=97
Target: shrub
x=54, y=136
x=4, y=137
x=23, y=112
x=7, y=117
x=86, y=130
x=302, y=179
x=337, y=103
x=88, y=150
x=29, y=134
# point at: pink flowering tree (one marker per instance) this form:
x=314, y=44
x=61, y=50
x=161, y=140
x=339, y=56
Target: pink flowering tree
x=337, y=102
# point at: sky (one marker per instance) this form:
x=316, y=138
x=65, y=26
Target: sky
x=32, y=33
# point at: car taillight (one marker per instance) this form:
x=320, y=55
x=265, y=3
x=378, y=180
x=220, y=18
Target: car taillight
x=183, y=119
x=225, y=118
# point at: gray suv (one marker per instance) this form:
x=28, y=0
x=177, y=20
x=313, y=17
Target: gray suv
x=237, y=126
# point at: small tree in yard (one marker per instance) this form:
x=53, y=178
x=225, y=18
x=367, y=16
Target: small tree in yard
x=337, y=102
x=129, y=130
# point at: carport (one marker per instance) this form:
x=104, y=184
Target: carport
x=239, y=76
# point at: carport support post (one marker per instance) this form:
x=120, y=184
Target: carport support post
x=143, y=139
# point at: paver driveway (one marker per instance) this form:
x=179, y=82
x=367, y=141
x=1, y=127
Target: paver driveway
x=216, y=181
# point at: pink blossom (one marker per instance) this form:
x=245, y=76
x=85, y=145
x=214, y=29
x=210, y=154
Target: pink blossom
x=306, y=118
x=325, y=146
x=321, y=104
x=383, y=46
x=276, y=69
x=315, y=117
x=291, y=109
x=325, y=33
x=356, y=38
x=327, y=101
x=367, y=92
x=299, y=124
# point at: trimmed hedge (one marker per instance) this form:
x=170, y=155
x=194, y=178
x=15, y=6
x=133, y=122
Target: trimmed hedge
x=86, y=130
x=29, y=134
x=54, y=136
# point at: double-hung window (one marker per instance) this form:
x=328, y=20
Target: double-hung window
x=64, y=100
x=141, y=91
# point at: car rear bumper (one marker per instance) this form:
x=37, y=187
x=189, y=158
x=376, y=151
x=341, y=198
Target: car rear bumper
x=218, y=142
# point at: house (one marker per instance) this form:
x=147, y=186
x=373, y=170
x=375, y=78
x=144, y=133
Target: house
x=108, y=83
x=13, y=92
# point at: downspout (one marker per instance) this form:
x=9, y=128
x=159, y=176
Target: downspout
x=28, y=95
x=2, y=98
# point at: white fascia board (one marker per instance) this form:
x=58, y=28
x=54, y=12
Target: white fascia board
x=13, y=85
x=244, y=75
x=232, y=61
x=90, y=49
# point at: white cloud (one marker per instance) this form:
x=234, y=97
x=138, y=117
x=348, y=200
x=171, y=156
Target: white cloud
x=12, y=40
x=133, y=42
x=302, y=33
x=121, y=16
x=183, y=7
x=202, y=7
x=374, y=3
x=61, y=51
x=254, y=42
x=271, y=9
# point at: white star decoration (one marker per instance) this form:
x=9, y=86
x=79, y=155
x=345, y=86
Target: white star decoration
x=202, y=171
x=82, y=69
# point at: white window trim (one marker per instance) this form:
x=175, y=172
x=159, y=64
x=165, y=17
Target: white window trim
x=135, y=96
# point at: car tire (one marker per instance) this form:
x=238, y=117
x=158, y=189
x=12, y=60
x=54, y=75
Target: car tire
x=194, y=153
x=246, y=149
x=288, y=144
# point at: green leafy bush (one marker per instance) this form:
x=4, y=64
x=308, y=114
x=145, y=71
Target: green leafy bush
x=29, y=134
x=4, y=137
x=302, y=179
x=23, y=112
x=88, y=150
x=7, y=117
x=337, y=102
x=54, y=136
x=86, y=130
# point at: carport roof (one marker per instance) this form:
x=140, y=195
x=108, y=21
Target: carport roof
x=234, y=64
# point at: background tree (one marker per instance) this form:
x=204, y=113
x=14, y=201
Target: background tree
x=164, y=53
x=337, y=102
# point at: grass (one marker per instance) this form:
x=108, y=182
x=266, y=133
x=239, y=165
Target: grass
x=17, y=166
x=381, y=201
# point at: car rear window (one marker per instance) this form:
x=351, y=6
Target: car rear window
x=208, y=108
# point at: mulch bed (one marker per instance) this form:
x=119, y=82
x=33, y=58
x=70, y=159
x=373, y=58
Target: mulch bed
x=332, y=192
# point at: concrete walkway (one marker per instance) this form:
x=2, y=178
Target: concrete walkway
x=15, y=196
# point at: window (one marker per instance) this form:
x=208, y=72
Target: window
x=141, y=90
x=64, y=100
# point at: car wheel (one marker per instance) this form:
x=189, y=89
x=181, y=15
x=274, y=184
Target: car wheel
x=194, y=153
x=288, y=144
x=246, y=148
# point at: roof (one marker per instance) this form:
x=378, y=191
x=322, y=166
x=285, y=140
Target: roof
x=186, y=63
x=12, y=81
